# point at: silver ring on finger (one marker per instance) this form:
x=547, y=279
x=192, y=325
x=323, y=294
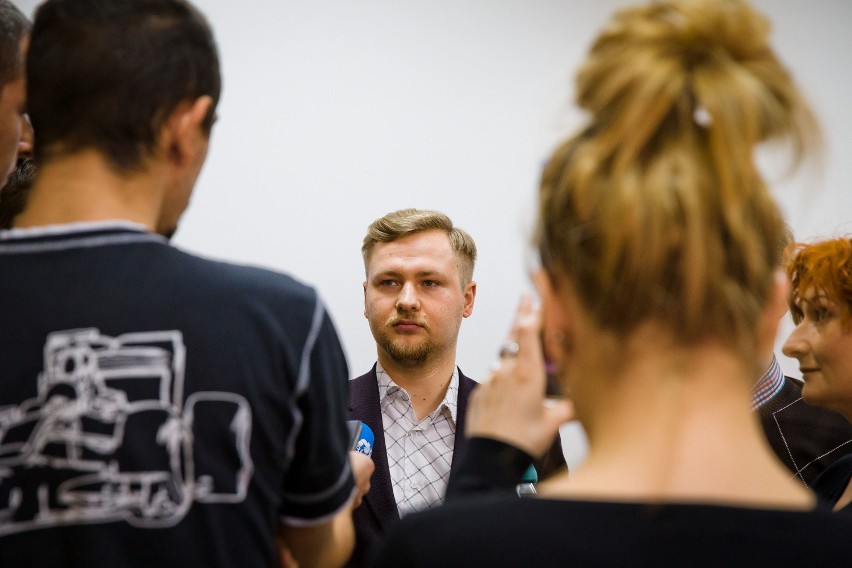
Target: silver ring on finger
x=509, y=349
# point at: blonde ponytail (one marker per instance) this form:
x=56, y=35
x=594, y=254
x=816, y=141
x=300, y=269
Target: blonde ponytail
x=656, y=210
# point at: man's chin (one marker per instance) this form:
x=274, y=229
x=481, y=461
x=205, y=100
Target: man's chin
x=408, y=355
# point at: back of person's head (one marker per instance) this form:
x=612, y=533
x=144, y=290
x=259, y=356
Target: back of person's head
x=14, y=27
x=821, y=269
x=404, y=222
x=655, y=210
x=107, y=75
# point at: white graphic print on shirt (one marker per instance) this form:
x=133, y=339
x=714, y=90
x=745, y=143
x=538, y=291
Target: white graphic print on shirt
x=110, y=437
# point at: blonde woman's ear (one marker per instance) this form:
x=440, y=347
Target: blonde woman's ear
x=776, y=308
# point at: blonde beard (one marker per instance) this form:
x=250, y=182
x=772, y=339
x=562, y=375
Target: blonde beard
x=407, y=355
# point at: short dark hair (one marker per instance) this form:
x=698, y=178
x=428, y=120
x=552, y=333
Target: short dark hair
x=107, y=75
x=14, y=26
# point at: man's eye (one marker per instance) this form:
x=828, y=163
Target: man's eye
x=387, y=282
x=430, y=283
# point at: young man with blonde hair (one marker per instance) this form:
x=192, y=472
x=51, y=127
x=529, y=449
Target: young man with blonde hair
x=419, y=287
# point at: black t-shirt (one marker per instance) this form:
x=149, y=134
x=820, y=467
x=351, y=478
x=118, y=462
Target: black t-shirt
x=159, y=409
x=511, y=531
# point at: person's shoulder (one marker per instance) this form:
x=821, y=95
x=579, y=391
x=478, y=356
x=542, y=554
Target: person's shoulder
x=248, y=279
x=362, y=385
x=793, y=384
x=245, y=295
x=821, y=536
x=366, y=377
x=479, y=530
x=788, y=397
x=465, y=381
x=834, y=479
x=789, y=401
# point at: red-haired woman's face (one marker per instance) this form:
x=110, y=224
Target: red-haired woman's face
x=822, y=342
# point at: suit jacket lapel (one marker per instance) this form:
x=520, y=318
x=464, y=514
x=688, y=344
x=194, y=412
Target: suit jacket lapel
x=466, y=386
x=365, y=406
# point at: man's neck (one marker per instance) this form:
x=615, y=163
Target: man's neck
x=426, y=383
x=83, y=187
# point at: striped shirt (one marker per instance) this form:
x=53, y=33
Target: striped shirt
x=769, y=385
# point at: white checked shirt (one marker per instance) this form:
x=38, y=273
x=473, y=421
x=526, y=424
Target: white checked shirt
x=419, y=453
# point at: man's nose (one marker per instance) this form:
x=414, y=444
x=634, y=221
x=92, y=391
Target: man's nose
x=407, y=299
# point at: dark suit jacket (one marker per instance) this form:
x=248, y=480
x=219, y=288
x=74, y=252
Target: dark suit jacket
x=379, y=510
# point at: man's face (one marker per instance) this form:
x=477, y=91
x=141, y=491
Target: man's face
x=15, y=130
x=14, y=126
x=413, y=297
x=823, y=345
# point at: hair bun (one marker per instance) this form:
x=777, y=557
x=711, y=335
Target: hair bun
x=704, y=31
x=690, y=61
x=660, y=189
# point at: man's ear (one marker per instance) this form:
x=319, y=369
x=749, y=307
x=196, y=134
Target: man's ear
x=25, y=144
x=185, y=136
x=365, y=298
x=469, y=297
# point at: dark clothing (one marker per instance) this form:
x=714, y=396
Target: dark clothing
x=806, y=438
x=505, y=531
x=831, y=483
x=487, y=466
x=378, y=510
x=159, y=409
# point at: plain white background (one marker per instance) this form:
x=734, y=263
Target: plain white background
x=337, y=112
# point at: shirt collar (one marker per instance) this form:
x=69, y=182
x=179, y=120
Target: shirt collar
x=387, y=386
x=769, y=385
x=73, y=228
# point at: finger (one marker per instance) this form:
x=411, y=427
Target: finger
x=527, y=323
x=559, y=411
x=509, y=348
x=524, y=316
x=287, y=559
x=527, y=331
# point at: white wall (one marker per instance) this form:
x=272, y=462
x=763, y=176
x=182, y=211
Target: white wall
x=335, y=113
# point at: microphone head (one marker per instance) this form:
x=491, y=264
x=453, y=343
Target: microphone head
x=530, y=475
x=364, y=443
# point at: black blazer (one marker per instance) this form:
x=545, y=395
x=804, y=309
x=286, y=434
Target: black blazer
x=378, y=509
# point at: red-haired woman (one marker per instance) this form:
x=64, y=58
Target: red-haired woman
x=821, y=305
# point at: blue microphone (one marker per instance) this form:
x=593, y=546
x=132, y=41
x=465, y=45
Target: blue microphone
x=362, y=437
